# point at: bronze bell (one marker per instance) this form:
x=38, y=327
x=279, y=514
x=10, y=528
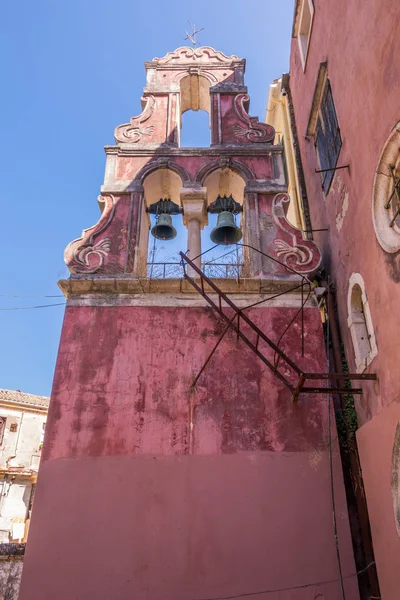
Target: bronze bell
x=226, y=232
x=163, y=229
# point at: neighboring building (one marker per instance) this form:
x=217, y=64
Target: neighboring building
x=22, y=422
x=344, y=86
x=278, y=114
x=170, y=471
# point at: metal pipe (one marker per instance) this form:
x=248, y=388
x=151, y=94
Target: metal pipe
x=368, y=580
x=332, y=169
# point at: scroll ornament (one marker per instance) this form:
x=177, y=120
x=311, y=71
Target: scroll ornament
x=301, y=255
x=252, y=129
x=85, y=255
x=134, y=131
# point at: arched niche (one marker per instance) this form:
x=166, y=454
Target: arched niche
x=223, y=182
x=360, y=323
x=195, y=126
x=195, y=93
x=159, y=184
x=162, y=183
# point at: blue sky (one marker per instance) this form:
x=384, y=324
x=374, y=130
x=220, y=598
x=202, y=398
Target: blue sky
x=71, y=72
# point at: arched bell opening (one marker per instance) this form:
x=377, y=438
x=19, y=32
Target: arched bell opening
x=225, y=202
x=162, y=233
x=195, y=127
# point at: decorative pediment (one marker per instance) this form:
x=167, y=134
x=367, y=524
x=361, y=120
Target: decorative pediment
x=135, y=131
x=204, y=54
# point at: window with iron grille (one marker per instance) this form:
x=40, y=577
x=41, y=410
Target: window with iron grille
x=328, y=140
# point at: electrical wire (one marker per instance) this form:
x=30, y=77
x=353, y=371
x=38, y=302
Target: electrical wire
x=288, y=589
x=32, y=307
x=17, y=296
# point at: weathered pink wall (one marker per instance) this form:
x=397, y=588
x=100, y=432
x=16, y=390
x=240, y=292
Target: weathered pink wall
x=361, y=44
x=134, y=501
x=375, y=442
x=358, y=46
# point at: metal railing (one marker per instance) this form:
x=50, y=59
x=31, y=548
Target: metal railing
x=164, y=270
x=170, y=270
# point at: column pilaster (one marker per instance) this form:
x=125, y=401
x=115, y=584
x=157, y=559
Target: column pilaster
x=194, y=203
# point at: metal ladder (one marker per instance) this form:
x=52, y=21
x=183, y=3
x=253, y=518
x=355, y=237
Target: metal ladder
x=234, y=324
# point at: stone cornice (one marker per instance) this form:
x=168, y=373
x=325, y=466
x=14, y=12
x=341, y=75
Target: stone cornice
x=126, y=149
x=178, y=66
x=257, y=186
x=264, y=186
x=87, y=284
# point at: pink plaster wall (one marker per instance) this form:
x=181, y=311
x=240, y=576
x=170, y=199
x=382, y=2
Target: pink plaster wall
x=151, y=491
x=359, y=46
x=375, y=443
x=361, y=43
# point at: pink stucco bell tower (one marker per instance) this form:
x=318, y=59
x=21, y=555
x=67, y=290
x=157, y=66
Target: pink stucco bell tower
x=184, y=458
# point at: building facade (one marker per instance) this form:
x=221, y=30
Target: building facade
x=344, y=77
x=22, y=422
x=190, y=415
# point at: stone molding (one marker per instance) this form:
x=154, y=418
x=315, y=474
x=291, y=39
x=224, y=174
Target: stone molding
x=186, y=300
x=317, y=97
x=361, y=361
x=388, y=237
x=115, y=285
x=263, y=149
x=203, y=54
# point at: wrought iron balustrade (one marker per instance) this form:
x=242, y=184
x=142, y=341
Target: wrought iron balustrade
x=174, y=270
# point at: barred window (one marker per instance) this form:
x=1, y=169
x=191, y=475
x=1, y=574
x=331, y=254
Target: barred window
x=328, y=140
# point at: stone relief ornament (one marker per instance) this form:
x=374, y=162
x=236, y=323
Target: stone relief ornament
x=100, y=250
x=291, y=248
x=284, y=251
x=252, y=130
x=134, y=134
x=133, y=131
x=84, y=255
x=203, y=54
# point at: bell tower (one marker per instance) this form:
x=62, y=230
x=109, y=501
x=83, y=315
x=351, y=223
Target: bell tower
x=187, y=455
